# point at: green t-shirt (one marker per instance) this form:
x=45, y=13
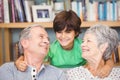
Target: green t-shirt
x=66, y=58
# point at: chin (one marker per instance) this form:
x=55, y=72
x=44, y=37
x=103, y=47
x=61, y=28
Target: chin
x=44, y=54
x=63, y=44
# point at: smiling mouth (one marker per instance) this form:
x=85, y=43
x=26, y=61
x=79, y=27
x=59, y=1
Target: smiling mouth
x=63, y=40
x=45, y=47
x=85, y=50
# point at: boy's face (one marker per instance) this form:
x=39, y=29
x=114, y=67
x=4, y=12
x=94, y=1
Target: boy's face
x=66, y=38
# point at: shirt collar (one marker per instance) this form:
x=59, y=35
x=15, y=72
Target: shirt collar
x=41, y=68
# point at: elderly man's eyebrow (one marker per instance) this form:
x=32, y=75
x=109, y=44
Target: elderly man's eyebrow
x=44, y=35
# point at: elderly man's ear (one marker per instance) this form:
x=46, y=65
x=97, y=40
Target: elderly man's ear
x=25, y=43
x=103, y=47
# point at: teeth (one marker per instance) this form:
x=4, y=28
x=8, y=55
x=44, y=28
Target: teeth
x=63, y=41
x=85, y=50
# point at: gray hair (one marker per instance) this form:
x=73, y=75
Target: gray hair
x=25, y=34
x=105, y=34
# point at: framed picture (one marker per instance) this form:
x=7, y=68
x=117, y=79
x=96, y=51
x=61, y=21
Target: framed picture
x=42, y=13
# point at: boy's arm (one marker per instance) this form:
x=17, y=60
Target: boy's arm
x=105, y=71
x=21, y=64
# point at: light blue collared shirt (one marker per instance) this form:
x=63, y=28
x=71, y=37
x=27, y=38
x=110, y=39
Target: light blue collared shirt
x=8, y=71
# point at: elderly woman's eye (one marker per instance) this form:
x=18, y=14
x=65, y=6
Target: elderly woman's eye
x=82, y=41
x=88, y=40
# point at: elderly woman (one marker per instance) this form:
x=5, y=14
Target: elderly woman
x=98, y=43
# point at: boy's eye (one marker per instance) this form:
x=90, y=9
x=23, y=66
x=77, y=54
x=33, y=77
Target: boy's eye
x=68, y=31
x=58, y=31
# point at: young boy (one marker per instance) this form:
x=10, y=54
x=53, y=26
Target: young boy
x=66, y=51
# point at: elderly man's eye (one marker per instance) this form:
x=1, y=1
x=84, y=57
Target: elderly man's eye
x=41, y=36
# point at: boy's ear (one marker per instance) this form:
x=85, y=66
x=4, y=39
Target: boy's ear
x=103, y=47
x=76, y=33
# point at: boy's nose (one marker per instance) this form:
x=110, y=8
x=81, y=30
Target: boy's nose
x=63, y=35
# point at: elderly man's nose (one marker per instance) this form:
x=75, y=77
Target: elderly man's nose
x=46, y=40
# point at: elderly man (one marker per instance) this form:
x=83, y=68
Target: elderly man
x=34, y=43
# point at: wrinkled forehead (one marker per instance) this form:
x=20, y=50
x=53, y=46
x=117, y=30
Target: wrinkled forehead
x=89, y=35
x=39, y=30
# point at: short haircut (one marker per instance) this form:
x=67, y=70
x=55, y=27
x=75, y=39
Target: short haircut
x=68, y=20
x=105, y=34
x=25, y=34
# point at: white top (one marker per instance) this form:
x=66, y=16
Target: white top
x=81, y=73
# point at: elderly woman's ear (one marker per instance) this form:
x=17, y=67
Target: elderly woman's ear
x=103, y=47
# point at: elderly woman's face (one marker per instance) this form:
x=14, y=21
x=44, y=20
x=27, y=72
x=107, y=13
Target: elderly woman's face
x=90, y=50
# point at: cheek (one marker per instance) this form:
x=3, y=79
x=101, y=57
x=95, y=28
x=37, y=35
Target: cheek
x=72, y=35
x=89, y=53
x=57, y=35
x=85, y=54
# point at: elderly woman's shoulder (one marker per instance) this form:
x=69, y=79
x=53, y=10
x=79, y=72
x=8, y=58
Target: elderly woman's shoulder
x=76, y=70
x=116, y=69
x=115, y=73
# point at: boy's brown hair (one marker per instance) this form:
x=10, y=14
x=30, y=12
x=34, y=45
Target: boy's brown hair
x=68, y=20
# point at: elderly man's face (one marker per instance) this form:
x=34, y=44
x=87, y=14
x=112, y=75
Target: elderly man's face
x=39, y=41
x=90, y=50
